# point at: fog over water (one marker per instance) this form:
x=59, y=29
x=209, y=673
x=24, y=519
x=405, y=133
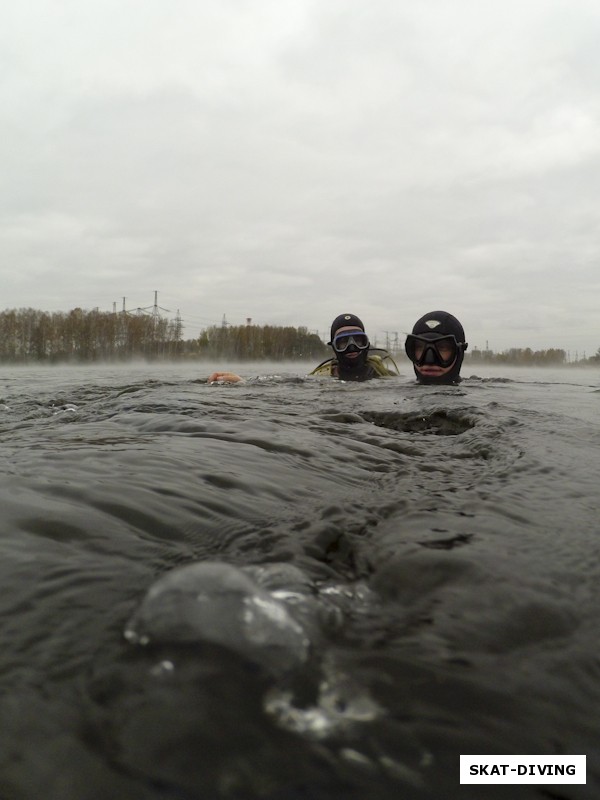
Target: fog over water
x=293, y=587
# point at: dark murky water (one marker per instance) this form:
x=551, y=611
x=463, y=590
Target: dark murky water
x=294, y=588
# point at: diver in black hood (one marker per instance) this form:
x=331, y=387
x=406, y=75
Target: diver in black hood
x=353, y=359
x=436, y=347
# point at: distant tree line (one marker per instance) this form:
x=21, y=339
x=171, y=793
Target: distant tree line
x=519, y=357
x=28, y=335
x=256, y=342
x=592, y=360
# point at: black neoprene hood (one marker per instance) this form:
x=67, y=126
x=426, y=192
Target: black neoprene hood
x=439, y=323
x=345, y=320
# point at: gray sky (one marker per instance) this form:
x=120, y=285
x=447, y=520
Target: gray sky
x=291, y=160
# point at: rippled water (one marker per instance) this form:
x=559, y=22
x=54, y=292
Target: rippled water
x=294, y=588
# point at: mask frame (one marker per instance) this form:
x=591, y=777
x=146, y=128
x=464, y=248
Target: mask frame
x=342, y=342
x=431, y=346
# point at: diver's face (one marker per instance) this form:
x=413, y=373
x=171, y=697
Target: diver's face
x=351, y=353
x=445, y=350
x=433, y=357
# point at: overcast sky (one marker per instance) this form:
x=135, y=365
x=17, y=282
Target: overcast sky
x=289, y=160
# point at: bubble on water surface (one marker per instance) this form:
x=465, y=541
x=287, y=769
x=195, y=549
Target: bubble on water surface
x=220, y=604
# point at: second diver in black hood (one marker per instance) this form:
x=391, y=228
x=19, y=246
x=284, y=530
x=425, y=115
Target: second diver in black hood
x=353, y=359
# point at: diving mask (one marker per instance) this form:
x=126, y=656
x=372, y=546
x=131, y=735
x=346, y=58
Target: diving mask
x=440, y=351
x=342, y=342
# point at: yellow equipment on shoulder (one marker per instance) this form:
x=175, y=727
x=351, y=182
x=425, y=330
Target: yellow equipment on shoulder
x=379, y=364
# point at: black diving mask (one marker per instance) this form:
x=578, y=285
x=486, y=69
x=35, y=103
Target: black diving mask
x=440, y=351
x=342, y=342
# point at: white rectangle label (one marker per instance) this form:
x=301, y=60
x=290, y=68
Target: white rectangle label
x=523, y=769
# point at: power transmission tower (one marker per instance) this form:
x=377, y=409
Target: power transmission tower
x=178, y=326
x=156, y=307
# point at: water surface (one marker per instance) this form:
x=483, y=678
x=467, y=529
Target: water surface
x=415, y=574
